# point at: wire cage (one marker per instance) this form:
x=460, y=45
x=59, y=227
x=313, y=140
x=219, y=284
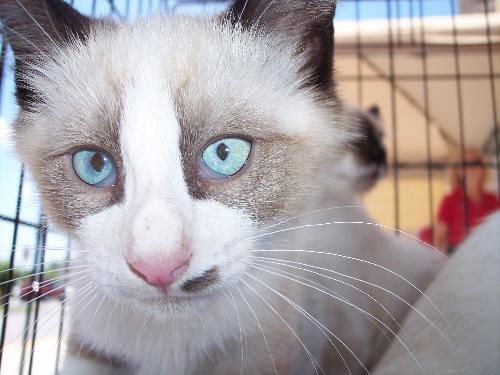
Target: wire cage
x=431, y=66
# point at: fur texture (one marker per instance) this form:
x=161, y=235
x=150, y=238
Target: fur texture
x=153, y=95
x=468, y=291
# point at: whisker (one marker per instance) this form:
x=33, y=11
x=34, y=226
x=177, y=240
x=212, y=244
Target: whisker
x=265, y=259
x=43, y=283
x=336, y=293
x=11, y=30
x=316, y=322
x=243, y=340
x=363, y=281
x=36, y=22
x=106, y=342
x=314, y=362
x=202, y=322
x=32, y=324
x=223, y=56
x=42, y=273
x=261, y=330
x=89, y=292
x=92, y=321
x=440, y=253
x=23, y=248
x=37, y=265
x=357, y=308
x=306, y=214
x=140, y=332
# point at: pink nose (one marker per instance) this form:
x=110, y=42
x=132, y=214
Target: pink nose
x=160, y=273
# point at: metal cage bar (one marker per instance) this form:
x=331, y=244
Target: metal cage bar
x=416, y=41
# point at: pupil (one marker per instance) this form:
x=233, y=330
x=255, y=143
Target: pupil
x=97, y=161
x=222, y=151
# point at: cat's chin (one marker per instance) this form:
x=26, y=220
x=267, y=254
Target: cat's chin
x=168, y=299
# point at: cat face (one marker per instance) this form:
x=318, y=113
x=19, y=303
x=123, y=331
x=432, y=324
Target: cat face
x=161, y=146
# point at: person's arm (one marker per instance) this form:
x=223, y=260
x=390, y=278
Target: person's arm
x=441, y=235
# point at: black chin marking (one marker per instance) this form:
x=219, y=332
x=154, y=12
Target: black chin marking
x=201, y=282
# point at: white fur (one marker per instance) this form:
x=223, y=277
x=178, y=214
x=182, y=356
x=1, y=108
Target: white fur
x=468, y=294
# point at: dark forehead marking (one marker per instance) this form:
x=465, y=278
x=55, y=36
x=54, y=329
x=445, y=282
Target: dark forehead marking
x=208, y=278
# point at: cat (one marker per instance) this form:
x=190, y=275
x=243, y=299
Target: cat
x=189, y=160
x=366, y=163
x=468, y=289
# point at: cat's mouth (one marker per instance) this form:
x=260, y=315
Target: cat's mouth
x=192, y=288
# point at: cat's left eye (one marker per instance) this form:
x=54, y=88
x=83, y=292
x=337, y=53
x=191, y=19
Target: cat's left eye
x=95, y=168
x=227, y=156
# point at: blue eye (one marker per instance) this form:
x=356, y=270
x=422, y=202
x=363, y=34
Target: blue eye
x=227, y=156
x=94, y=168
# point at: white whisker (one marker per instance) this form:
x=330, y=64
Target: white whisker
x=306, y=214
x=89, y=292
x=317, y=323
x=37, y=265
x=366, y=282
x=243, y=340
x=440, y=253
x=92, y=321
x=261, y=330
x=44, y=322
x=314, y=362
x=334, y=292
x=42, y=284
x=36, y=22
x=359, y=309
x=41, y=273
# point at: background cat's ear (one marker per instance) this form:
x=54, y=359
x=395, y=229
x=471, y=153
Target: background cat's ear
x=308, y=24
x=374, y=110
x=34, y=28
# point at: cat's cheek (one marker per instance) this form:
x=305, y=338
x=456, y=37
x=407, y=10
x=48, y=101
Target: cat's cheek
x=220, y=240
x=101, y=239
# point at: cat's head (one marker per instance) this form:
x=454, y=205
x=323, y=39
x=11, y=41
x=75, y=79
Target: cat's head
x=160, y=145
x=366, y=160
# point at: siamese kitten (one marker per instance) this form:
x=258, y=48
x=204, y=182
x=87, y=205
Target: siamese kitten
x=183, y=156
x=469, y=291
x=366, y=163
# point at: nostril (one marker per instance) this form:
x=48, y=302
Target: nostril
x=160, y=274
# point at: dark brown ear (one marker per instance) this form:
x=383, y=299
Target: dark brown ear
x=307, y=24
x=34, y=28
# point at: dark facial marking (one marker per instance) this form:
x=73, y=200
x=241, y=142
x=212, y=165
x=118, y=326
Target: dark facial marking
x=201, y=282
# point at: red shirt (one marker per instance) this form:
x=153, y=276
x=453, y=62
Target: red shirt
x=452, y=213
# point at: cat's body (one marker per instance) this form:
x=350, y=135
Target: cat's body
x=468, y=292
x=169, y=149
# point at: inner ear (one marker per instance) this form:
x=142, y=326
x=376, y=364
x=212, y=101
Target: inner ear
x=305, y=24
x=36, y=28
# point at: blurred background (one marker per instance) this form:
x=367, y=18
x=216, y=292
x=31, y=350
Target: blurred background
x=431, y=67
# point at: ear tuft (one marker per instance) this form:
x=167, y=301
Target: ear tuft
x=306, y=24
x=34, y=29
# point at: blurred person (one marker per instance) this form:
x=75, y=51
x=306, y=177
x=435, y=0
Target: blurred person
x=452, y=227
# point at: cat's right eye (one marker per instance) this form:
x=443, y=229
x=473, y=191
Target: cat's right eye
x=95, y=168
